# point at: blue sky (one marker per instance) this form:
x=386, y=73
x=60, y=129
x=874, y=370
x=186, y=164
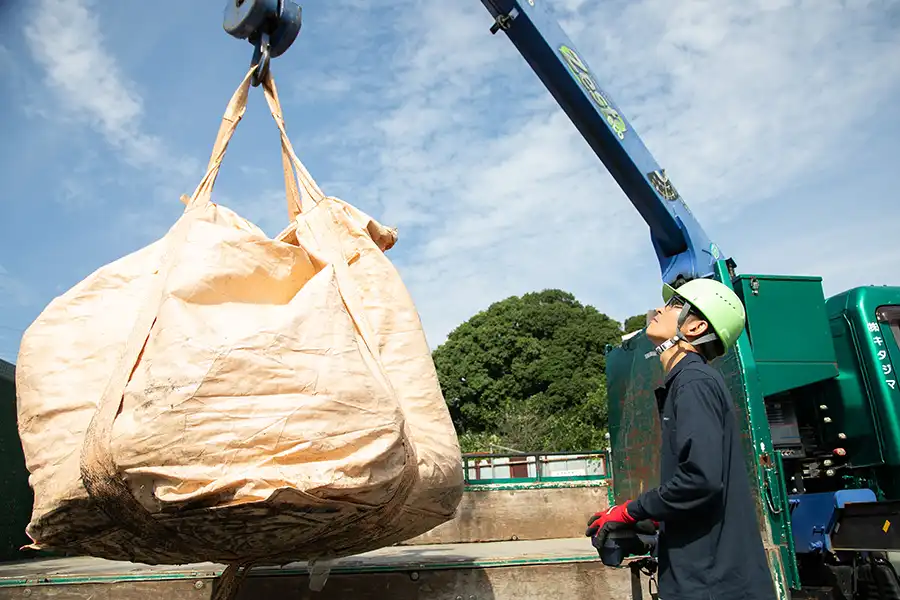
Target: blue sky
x=779, y=121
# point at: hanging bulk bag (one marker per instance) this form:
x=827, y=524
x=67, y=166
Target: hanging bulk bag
x=220, y=395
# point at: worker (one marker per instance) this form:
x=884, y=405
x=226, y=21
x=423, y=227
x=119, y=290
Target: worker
x=709, y=544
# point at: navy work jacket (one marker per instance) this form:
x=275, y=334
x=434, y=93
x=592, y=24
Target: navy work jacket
x=710, y=546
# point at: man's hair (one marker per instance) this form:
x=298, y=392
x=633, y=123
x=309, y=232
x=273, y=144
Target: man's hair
x=712, y=349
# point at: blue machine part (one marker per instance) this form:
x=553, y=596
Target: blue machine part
x=813, y=517
x=271, y=26
x=682, y=247
x=244, y=17
x=616, y=548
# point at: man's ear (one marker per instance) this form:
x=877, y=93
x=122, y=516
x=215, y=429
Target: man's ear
x=696, y=327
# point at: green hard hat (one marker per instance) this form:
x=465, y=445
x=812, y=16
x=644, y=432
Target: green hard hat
x=718, y=304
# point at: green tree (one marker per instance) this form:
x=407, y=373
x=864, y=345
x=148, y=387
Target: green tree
x=528, y=373
x=635, y=323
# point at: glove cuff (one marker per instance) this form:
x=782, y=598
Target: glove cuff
x=636, y=511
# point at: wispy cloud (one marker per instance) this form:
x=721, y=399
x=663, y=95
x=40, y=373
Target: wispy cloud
x=317, y=88
x=66, y=39
x=416, y=114
x=843, y=246
x=494, y=191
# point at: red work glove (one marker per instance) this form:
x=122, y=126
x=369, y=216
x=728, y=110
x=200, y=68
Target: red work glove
x=617, y=514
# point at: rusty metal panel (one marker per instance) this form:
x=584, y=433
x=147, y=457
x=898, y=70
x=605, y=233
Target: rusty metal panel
x=730, y=367
x=633, y=417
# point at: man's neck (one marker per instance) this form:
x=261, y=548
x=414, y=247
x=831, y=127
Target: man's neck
x=673, y=356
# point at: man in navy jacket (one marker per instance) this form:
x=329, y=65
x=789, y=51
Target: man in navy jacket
x=710, y=546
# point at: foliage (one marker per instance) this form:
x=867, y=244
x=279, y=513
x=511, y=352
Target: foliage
x=635, y=323
x=528, y=373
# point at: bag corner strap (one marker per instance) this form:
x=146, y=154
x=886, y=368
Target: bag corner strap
x=234, y=112
x=294, y=169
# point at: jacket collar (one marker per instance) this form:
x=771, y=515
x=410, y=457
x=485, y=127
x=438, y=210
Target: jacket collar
x=689, y=359
x=662, y=392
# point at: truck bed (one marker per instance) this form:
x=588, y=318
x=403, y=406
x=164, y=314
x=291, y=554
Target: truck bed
x=565, y=569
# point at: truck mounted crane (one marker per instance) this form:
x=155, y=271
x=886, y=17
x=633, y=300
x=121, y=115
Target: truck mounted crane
x=813, y=378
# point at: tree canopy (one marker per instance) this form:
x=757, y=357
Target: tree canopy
x=635, y=323
x=528, y=373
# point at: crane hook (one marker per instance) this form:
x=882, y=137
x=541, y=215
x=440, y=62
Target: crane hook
x=261, y=57
x=271, y=26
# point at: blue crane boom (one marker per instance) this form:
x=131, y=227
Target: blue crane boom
x=683, y=249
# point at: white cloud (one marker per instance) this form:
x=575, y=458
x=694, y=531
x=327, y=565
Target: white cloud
x=440, y=128
x=847, y=252
x=66, y=39
x=312, y=88
x=494, y=191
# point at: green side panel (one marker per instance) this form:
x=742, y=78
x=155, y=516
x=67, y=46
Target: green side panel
x=788, y=329
x=635, y=436
x=866, y=328
x=848, y=398
x=16, y=498
x=634, y=429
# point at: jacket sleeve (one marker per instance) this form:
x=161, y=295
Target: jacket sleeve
x=699, y=433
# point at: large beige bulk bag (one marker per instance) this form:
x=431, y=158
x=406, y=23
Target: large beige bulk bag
x=224, y=396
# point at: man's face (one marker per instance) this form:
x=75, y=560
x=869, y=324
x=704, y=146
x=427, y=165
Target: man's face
x=664, y=325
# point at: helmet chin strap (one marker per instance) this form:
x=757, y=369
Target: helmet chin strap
x=679, y=336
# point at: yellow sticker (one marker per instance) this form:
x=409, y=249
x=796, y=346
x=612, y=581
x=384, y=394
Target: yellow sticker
x=887, y=525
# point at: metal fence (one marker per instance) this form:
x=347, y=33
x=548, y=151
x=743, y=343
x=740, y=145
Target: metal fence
x=483, y=469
